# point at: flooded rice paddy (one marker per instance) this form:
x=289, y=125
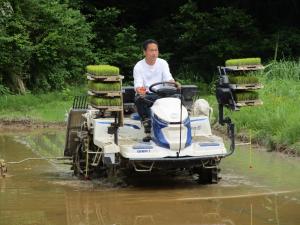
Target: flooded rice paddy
x=256, y=188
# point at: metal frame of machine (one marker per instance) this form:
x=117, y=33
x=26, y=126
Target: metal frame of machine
x=94, y=152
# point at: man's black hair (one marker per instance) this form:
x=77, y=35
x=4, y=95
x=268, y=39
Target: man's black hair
x=147, y=42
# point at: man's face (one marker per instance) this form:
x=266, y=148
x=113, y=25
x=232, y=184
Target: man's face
x=151, y=53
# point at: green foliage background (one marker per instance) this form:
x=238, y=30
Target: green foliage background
x=45, y=45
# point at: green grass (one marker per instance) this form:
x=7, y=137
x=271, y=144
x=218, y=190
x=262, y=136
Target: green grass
x=240, y=62
x=101, y=86
x=50, y=107
x=102, y=70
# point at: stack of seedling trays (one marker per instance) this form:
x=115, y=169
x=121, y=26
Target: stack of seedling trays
x=104, y=87
x=243, y=82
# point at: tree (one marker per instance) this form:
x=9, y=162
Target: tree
x=206, y=39
x=114, y=44
x=15, y=48
x=52, y=42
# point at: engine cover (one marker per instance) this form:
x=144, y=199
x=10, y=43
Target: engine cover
x=171, y=129
x=168, y=110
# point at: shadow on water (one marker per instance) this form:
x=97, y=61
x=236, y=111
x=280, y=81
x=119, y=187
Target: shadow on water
x=41, y=192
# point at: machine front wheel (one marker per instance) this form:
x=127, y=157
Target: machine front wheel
x=79, y=162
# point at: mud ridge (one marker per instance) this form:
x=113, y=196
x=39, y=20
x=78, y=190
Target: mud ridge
x=27, y=125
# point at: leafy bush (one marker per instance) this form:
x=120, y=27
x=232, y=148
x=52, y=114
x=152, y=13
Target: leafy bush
x=4, y=90
x=187, y=75
x=207, y=38
x=115, y=44
x=44, y=44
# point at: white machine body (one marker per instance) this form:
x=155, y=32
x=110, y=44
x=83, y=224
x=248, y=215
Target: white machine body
x=174, y=134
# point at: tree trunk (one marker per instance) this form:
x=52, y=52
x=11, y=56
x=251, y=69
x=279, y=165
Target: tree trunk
x=17, y=84
x=20, y=85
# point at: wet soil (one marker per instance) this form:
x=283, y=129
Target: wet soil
x=28, y=125
x=256, y=188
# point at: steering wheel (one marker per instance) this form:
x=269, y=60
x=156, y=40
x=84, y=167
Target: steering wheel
x=169, y=90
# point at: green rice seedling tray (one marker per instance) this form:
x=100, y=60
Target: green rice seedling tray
x=243, y=73
x=108, y=108
x=243, y=68
x=247, y=98
x=102, y=101
x=245, y=86
x=243, y=79
x=103, y=86
x=244, y=82
x=256, y=102
x=246, y=95
x=105, y=93
x=243, y=62
x=103, y=70
x=104, y=78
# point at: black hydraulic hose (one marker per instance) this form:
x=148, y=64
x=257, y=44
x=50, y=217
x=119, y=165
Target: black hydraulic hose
x=230, y=128
x=232, y=139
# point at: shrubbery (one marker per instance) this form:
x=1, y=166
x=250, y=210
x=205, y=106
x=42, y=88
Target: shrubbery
x=43, y=45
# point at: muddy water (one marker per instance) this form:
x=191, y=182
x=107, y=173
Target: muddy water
x=257, y=188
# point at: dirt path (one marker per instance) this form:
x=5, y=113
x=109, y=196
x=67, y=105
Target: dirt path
x=28, y=125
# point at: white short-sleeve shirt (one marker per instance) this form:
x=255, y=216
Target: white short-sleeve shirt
x=145, y=75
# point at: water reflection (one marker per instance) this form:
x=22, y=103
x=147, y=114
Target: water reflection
x=41, y=193
x=89, y=208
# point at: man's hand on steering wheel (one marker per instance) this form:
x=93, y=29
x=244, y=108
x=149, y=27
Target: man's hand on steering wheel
x=178, y=85
x=170, y=89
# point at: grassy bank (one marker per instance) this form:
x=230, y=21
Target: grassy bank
x=50, y=107
x=277, y=122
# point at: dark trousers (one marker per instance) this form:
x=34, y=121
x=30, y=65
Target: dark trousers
x=143, y=104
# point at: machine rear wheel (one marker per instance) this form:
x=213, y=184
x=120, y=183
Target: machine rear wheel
x=207, y=175
x=87, y=163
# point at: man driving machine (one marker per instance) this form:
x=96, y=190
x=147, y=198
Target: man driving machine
x=147, y=72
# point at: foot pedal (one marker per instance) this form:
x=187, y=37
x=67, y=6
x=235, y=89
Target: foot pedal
x=147, y=138
x=147, y=126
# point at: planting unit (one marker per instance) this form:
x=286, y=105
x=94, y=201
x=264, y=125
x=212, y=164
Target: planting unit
x=104, y=90
x=237, y=75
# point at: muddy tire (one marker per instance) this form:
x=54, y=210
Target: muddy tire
x=207, y=175
x=77, y=166
x=81, y=159
x=79, y=163
x=83, y=162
